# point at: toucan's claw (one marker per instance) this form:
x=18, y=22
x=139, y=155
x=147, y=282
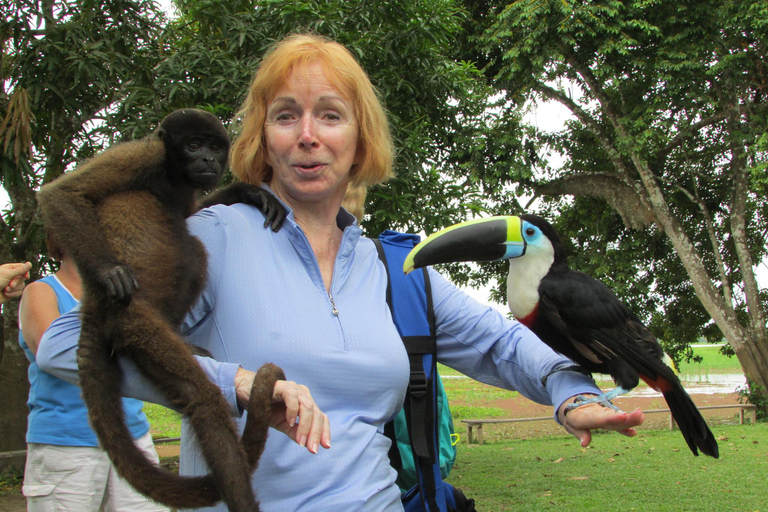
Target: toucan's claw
x=604, y=400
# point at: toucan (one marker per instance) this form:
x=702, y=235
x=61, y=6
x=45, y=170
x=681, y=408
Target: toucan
x=573, y=313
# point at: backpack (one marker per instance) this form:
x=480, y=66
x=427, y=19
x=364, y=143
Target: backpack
x=421, y=432
x=447, y=439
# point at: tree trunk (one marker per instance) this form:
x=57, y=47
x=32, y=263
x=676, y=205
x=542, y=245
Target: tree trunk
x=755, y=368
x=14, y=384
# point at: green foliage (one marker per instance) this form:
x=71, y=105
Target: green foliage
x=436, y=104
x=63, y=69
x=755, y=394
x=11, y=479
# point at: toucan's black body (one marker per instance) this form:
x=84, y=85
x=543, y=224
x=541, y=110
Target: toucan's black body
x=582, y=319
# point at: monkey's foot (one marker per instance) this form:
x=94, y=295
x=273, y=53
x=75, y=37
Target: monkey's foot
x=604, y=400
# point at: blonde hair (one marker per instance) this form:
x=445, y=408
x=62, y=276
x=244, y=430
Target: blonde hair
x=354, y=201
x=375, y=147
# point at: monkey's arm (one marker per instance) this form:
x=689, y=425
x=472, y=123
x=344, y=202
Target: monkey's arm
x=274, y=212
x=69, y=206
x=57, y=355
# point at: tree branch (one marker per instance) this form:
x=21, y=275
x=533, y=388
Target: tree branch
x=722, y=312
x=686, y=134
x=635, y=212
x=738, y=168
x=591, y=125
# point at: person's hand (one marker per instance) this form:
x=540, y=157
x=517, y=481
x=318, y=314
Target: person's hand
x=12, y=277
x=581, y=421
x=294, y=411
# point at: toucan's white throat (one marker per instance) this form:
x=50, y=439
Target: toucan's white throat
x=525, y=274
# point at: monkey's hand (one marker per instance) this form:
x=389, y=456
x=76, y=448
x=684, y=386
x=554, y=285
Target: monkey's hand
x=274, y=212
x=120, y=283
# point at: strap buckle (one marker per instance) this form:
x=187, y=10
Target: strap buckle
x=417, y=386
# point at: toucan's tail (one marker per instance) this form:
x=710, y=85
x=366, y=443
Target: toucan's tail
x=692, y=424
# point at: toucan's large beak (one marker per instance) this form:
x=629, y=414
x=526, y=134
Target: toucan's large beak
x=491, y=239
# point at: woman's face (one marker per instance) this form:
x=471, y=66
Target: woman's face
x=311, y=139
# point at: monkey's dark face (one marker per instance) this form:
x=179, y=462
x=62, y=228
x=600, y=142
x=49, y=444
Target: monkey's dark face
x=204, y=160
x=197, y=147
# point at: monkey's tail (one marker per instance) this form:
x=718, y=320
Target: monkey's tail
x=259, y=409
x=100, y=377
x=100, y=383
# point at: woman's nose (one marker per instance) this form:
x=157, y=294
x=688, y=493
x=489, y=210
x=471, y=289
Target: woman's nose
x=308, y=135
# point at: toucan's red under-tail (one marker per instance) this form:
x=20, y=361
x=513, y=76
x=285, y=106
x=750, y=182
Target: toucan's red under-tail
x=687, y=416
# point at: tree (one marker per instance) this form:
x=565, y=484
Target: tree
x=64, y=65
x=669, y=101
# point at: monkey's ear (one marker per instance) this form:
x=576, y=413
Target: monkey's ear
x=160, y=133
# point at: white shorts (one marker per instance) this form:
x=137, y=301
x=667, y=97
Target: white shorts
x=81, y=479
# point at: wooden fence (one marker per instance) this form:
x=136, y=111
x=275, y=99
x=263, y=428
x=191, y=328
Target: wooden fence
x=476, y=426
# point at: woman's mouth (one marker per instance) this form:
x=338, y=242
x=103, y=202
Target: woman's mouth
x=310, y=167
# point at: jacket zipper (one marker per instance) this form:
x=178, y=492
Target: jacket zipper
x=334, y=310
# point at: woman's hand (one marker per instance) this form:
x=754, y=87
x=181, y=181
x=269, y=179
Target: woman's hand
x=12, y=277
x=582, y=420
x=294, y=411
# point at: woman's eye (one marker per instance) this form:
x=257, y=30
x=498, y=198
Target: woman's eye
x=283, y=117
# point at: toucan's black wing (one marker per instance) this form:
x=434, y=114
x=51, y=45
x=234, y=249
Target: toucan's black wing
x=604, y=331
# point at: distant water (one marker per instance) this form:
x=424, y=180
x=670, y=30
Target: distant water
x=694, y=384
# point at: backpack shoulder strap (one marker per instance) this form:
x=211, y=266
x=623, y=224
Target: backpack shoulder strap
x=410, y=301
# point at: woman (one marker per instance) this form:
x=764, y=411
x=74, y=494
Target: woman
x=65, y=468
x=311, y=297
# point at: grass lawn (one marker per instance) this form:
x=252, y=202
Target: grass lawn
x=651, y=472
x=712, y=362
x=654, y=471
x=165, y=422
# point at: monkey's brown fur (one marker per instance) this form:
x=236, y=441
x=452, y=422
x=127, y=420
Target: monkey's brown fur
x=124, y=211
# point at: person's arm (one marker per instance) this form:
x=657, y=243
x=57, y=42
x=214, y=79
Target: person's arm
x=12, y=277
x=38, y=308
x=479, y=342
x=57, y=355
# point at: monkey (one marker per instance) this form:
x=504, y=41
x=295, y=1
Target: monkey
x=122, y=218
